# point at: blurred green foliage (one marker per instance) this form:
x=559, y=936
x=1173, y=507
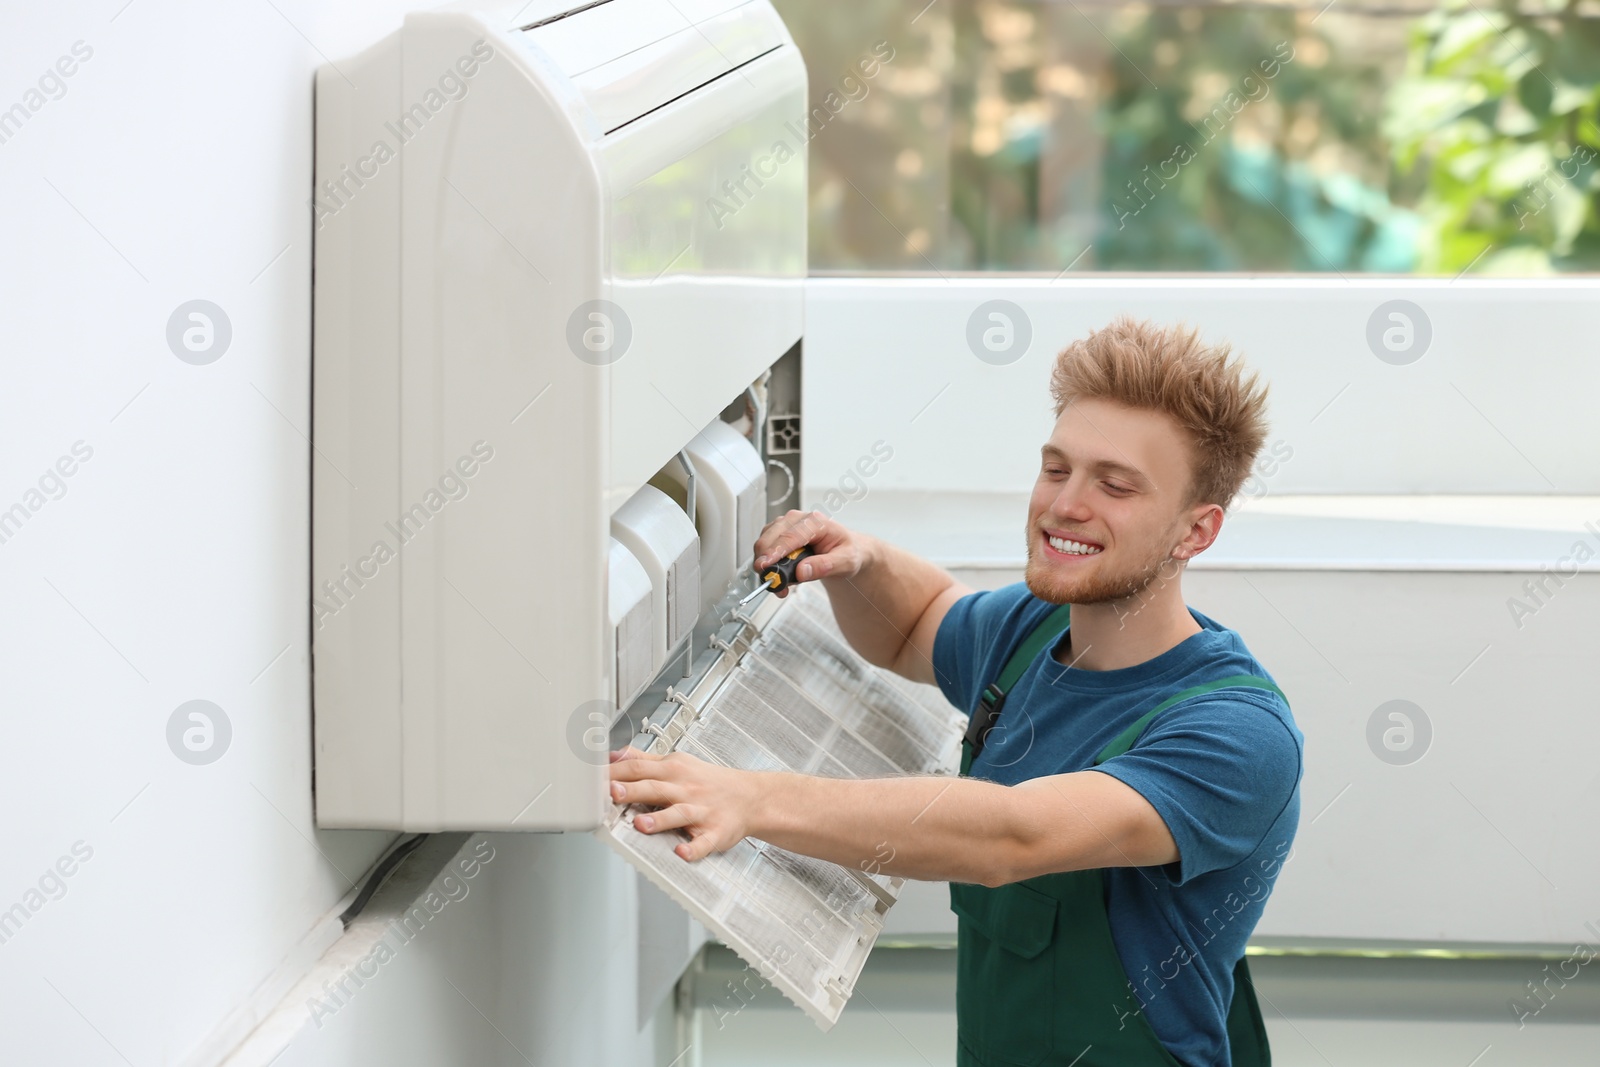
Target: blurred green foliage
x=1025, y=135
x=1499, y=104
x=1246, y=139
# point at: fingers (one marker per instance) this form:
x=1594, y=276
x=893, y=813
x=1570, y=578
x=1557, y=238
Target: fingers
x=690, y=819
x=656, y=821
x=629, y=764
x=645, y=791
x=674, y=817
x=700, y=845
x=652, y=779
x=791, y=531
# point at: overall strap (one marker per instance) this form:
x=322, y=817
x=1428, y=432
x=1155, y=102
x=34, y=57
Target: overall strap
x=994, y=694
x=1124, y=741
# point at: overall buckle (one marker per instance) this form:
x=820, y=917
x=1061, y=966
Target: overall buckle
x=983, y=717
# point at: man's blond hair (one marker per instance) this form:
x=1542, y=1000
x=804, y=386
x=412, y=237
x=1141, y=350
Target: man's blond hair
x=1168, y=369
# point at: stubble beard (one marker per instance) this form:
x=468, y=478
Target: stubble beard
x=1097, y=587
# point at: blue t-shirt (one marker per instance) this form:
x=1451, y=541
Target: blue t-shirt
x=1222, y=769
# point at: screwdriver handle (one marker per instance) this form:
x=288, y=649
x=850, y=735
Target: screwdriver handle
x=781, y=573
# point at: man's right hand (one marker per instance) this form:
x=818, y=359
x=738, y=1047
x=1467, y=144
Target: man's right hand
x=839, y=553
x=888, y=603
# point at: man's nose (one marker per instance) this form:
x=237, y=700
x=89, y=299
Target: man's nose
x=1070, y=500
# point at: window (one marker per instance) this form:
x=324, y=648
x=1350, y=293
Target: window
x=1389, y=136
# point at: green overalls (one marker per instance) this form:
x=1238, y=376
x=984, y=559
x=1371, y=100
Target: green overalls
x=1038, y=979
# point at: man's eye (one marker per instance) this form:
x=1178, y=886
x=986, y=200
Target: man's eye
x=1118, y=488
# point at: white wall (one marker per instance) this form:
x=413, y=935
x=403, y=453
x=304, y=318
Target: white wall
x=1488, y=404
x=172, y=566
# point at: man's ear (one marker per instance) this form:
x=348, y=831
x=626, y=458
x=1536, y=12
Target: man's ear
x=1208, y=519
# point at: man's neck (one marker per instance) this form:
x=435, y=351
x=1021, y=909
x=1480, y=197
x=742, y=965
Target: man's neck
x=1111, y=636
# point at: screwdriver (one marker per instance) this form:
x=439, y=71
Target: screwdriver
x=780, y=574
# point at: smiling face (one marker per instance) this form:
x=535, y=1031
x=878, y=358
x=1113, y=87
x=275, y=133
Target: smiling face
x=1107, y=511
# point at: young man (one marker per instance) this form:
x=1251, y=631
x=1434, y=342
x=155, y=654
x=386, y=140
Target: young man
x=1117, y=829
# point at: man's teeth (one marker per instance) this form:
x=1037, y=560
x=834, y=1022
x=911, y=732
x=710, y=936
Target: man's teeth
x=1073, y=547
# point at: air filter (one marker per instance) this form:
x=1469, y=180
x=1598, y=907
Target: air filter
x=790, y=694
